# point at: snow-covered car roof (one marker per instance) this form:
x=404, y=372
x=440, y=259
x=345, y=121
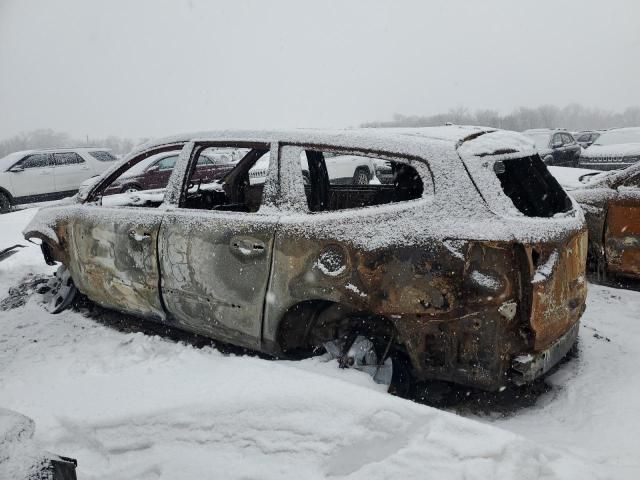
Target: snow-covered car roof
x=425, y=140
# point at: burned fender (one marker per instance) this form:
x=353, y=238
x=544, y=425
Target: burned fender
x=49, y=229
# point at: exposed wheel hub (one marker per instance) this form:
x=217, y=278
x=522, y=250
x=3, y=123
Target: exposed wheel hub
x=61, y=291
x=360, y=353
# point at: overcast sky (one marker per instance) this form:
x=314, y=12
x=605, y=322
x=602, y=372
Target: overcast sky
x=148, y=68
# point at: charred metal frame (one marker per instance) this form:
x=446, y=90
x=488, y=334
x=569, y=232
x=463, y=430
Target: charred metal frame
x=459, y=316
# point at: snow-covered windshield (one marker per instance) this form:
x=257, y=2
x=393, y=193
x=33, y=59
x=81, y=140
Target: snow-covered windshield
x=623, y=135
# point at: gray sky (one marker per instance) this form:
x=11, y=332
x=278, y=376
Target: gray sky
x=149, y=68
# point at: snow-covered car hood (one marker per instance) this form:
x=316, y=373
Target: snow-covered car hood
x=572, y=178
x=9, y=160
x=619, y=150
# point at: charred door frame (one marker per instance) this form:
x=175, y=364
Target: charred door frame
x=240, y=324
x=130, y=244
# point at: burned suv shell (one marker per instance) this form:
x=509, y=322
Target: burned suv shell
x=611, y=204
x=471, y=273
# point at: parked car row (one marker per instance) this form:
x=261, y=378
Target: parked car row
x=600, y=150
x=464, y=261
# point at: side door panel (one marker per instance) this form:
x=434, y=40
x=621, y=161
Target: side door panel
x=70, y=171
x=215, y=270
x=114, y=245
x=622, y=233
x=114, y=258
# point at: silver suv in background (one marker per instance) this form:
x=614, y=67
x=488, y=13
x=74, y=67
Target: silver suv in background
x=38, y=175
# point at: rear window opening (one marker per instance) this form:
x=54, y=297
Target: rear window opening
x=531, y=188
x=338, y=181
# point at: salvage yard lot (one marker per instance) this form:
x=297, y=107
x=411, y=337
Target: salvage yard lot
x=132, y=405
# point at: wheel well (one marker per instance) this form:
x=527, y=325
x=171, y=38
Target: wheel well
x=51, y=249
x=6, y=192
x=306, y=325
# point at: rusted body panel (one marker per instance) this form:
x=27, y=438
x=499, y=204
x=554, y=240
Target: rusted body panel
x=113, y=259
x=612, y=212
x=215, y=271
x=461, y=318
x=622, y=235
x=559, y=289
x=463, y=291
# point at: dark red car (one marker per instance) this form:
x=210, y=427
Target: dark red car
x=154, y=172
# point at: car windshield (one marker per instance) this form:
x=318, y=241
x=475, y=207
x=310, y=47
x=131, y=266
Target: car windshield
x=141, y=167
x=613, y=137
x=540, y=139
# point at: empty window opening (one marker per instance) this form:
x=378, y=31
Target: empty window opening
x=227, y=179
x=531, y=188
x=338, y=181
x=144, y=183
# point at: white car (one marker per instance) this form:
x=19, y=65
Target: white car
x=341, y=170
x=38, y=175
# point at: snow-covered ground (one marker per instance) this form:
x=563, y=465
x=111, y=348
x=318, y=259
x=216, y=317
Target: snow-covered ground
x=135, y=406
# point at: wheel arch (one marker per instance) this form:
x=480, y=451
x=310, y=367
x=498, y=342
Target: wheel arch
x=313, y=318
x=7, y=193
x=51, y=246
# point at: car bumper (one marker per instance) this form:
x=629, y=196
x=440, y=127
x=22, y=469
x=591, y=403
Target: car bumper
x=526, y=368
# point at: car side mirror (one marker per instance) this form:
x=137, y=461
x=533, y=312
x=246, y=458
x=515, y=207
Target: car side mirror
x=17, y=169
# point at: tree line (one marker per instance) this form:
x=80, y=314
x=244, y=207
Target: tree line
x=571, y=117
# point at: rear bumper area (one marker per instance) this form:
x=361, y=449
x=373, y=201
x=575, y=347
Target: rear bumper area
x=526, y=368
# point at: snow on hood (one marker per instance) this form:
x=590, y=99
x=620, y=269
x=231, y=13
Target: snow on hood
x=9, y=160
x=619, y=150
x=570, y=178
